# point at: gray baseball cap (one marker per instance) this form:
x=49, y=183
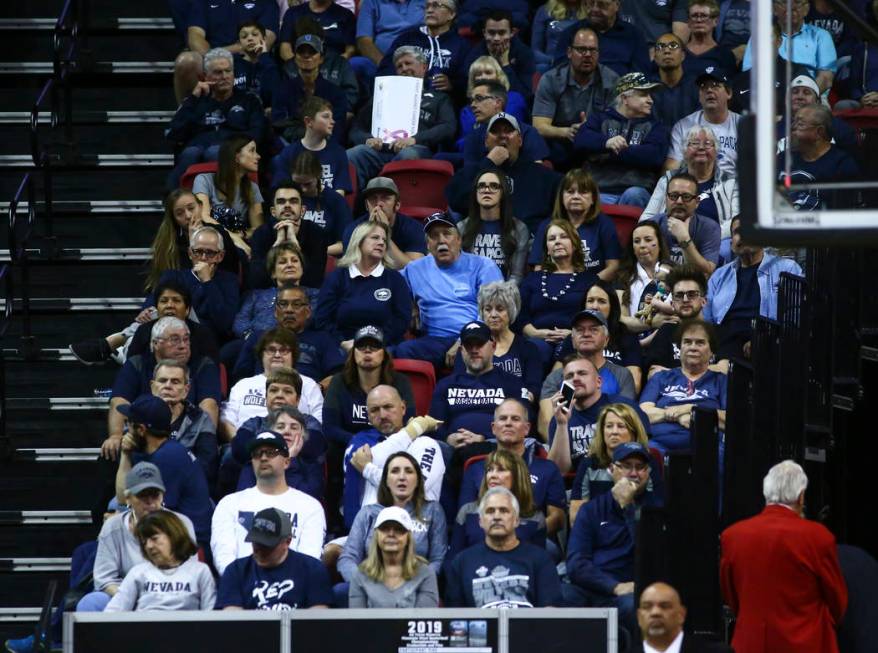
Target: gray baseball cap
x=143, y=476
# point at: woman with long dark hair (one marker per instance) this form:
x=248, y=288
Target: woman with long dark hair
x=646, y=263
x=228, y=196
x=491, y=230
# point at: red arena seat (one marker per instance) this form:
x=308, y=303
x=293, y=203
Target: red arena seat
x=423, y=380
x=421, y=182
x=624, y=218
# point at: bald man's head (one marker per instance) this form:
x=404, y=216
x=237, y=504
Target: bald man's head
x=660, y=614
x=386, y=409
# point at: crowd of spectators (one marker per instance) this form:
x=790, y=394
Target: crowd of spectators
x=284, y=289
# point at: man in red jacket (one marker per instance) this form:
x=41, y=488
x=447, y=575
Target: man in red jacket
x=780, y=573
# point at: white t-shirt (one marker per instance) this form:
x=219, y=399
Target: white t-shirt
x=726, y=137
x=424, y=449
x=234, y=514
x=247, y=399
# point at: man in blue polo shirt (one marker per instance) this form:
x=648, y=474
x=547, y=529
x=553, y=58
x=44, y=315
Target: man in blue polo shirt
x=445, y=286
x=510, y=428
x=169, y=341
x=148, y=440
x=379, y=23
x=623, y=47
x=274, y=577
x=214, y=24
x=382, y=205
x=812, y=46
x=465, y=402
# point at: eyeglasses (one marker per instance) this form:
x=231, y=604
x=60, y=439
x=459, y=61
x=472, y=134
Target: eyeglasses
x=583, y=49
x=258, y=454
x=488, y=185
x=686, y=197
x=700, y=16
x=175, y=340
x=670, y=45
x=699, y=145
x=689, y=294
x=277, y=351
x=632, y=467
x=204, y=253
x=288, y=303
x=475, y=99
x=367, y=346
x=436, y=5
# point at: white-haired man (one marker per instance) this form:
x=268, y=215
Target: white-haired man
x=780, y=574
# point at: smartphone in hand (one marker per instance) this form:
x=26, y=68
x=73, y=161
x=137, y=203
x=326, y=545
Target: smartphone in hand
x=567, y=391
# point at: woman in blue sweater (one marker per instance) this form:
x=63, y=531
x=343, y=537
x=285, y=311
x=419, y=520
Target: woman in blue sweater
x=364, y=290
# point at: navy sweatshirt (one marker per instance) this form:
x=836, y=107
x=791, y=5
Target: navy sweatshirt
x=345, y=304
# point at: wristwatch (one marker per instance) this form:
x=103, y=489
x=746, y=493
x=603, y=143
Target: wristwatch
x=685, y=243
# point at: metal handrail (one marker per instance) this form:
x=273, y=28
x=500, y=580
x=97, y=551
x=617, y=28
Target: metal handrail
x=18, y=257
x=6, y=448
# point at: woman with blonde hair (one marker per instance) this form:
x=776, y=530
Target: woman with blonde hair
x=392, y=575
x=364, y=289
x=617, y=424
x=502, y=469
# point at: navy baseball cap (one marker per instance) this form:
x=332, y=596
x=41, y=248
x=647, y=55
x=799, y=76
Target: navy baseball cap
x=269, y=439
x=440, y=217
x=714, y=73
x=597, y=316
x=475, y=331
x=150, y=411
x=628, y=449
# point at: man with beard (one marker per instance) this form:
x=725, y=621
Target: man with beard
x=464, y=402
x=445, y=287
x=515, y=58
x=234, y=514
x=572, y=427
x=692, y=239
x=569, y=93
x=148, y=440
x=678, y=96
x=622, y=45
x=286, y=224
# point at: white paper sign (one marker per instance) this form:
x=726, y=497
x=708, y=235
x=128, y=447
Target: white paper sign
x=396, y=107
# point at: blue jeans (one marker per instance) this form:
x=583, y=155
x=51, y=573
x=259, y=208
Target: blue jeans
x=93, y=602
x=632, y=196
x=426, y=348
x=191, y=155
x=368, y=161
